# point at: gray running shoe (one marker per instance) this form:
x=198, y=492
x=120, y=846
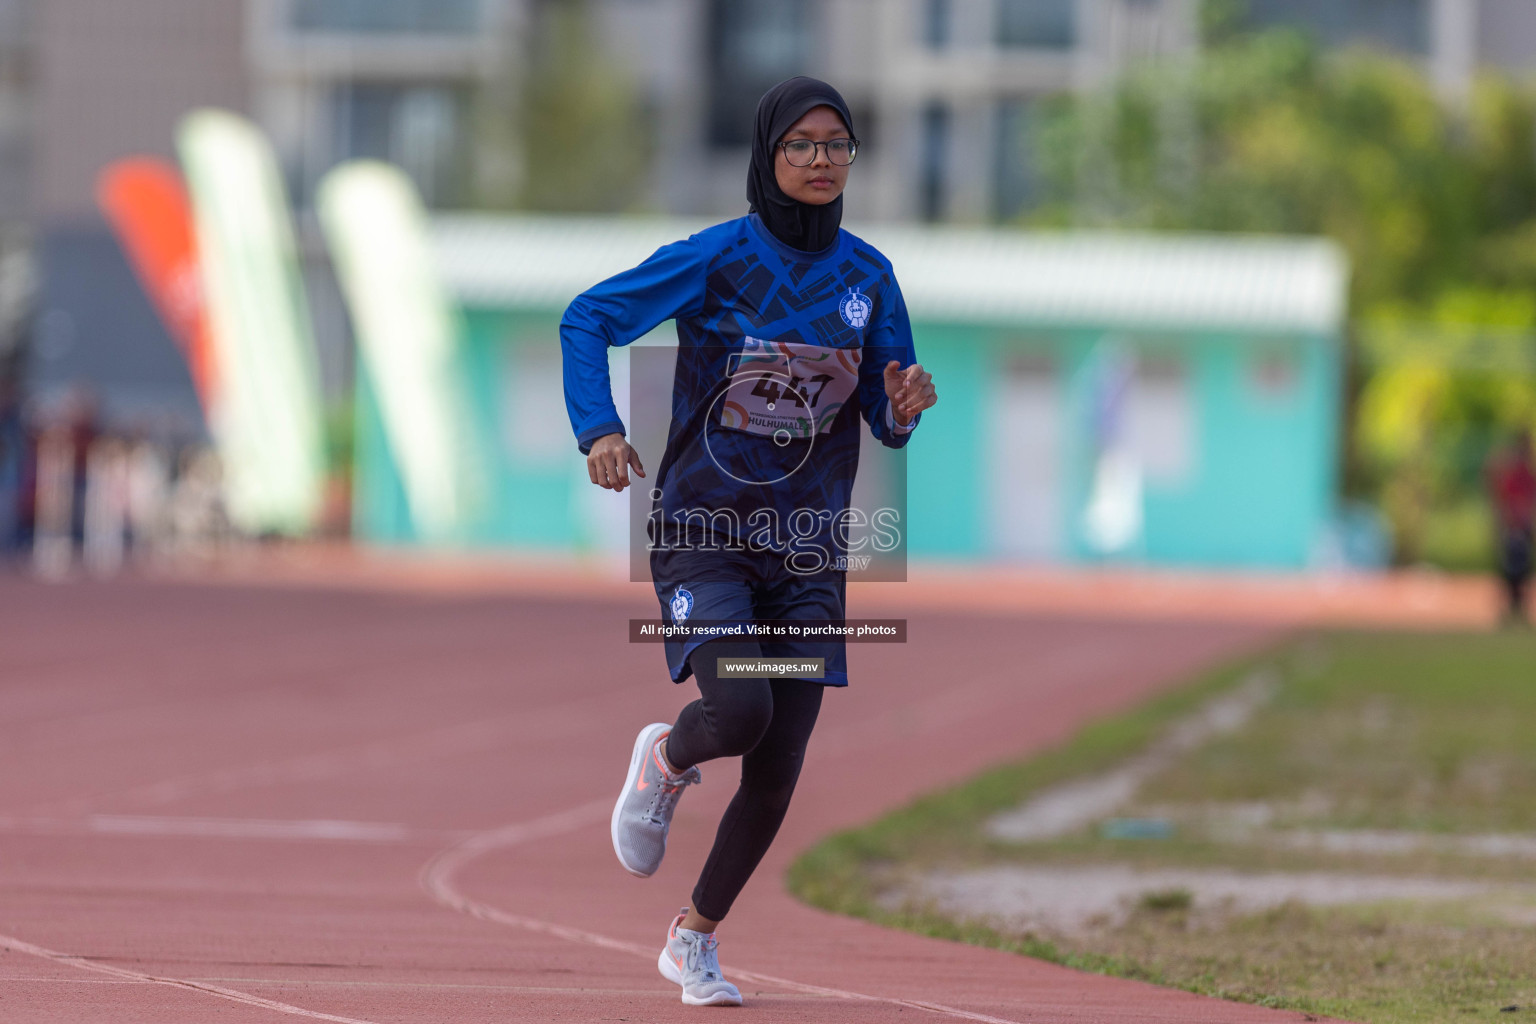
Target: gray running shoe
x=692, y=961
x=644, y=811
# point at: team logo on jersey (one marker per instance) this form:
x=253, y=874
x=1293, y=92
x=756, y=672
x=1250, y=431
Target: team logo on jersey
x=682, y=606
x=855, y=307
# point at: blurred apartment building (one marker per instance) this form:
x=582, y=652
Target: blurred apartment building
x=15, y=267
x=944, y=91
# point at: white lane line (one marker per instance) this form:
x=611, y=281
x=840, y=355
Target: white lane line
x=436, y=878
x=234, y=828
x=433, y=986
x=123, y=974
x=328, y=830
x=451, y=740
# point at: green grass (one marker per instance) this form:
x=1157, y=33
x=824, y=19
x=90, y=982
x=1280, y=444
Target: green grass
x=1431, y=733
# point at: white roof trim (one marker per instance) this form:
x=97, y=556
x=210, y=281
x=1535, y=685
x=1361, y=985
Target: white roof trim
x=1091, y=279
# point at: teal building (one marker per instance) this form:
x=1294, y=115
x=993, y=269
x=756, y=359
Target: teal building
x=1160, y=400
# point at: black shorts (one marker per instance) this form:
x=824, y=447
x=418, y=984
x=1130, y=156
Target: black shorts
x=739, y=587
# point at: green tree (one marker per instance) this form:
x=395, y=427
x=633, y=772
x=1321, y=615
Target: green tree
x=1444, y=387
x=564, y=130
x=1435, y=205
x=1354, y=145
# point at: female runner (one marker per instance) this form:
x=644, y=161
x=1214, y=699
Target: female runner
x=789, y=330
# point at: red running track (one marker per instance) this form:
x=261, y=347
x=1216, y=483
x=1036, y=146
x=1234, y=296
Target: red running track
x=229, y=803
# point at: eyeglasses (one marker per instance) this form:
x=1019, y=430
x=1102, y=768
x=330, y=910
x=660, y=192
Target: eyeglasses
x=802, y=152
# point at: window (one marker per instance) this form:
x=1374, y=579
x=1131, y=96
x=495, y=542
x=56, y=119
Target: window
x=15, y=20
x=1015, y=180
x=935, y=149
x=1273, y=375
x=936, y=15
x=456, y=17
x=1043, y=24
x=1395, y=24
x=1027, y=433
x=418, y=127
x=1160, y=421
x=753, y=45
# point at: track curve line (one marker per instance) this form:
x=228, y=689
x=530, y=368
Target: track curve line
x=437, y=878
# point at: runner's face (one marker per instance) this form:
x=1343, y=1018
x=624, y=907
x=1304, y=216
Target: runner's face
x=822, y=181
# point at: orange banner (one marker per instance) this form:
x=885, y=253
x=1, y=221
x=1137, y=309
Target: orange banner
x=146, y=202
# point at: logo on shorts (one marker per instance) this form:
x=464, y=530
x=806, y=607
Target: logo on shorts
x=855, y=307
x=682, y=606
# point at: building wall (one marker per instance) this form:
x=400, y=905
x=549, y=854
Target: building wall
x=1236, y=437
x=1506, y=34
x=16, y=268
x=534, y=498
x=945, y=88
x=16, y=68
x=113, y=79
x=333, y=81
x=937, y=88
x=1236, y=434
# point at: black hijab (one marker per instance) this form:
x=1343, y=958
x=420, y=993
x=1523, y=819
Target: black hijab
x=802, y=226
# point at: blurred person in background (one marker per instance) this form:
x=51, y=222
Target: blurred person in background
x=14, y=456
x=106, y=506
x=54, y=500
x=148, y=489
x=195, y=520
x=1512, y=488
x=833, y=341
x=26, y=516
x=81, y=428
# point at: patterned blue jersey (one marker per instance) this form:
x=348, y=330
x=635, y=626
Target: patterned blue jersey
x=780, y=352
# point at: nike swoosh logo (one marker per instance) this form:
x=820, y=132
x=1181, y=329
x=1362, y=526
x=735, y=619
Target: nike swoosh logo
x=642, y=784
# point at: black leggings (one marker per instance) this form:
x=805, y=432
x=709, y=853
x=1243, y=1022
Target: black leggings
x=1515, y=567
x=767, y=722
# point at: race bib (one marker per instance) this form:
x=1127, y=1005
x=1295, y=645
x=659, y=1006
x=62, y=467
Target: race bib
x=786, y=390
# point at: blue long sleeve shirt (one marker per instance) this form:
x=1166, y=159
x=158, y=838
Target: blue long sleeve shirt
x=780, y=353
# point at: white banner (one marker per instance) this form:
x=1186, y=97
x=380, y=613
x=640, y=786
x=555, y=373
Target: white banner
x=267, y=425
x=376, y=226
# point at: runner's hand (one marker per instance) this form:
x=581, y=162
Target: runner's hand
x=910, y=391
x=608, y=462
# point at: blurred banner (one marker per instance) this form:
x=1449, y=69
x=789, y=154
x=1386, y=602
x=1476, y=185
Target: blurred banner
x=376, y=226
x=268, y=420
x=1112, y=518
x=146, y=203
